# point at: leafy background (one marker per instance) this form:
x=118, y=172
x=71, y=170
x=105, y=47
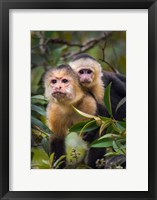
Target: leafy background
x=51, y=48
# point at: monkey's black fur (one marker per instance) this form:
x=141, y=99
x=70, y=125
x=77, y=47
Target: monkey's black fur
x=82, y=55
x=57, y=146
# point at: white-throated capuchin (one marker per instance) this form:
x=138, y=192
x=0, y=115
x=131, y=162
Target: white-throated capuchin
x=90, y=73
x=95, y=80
x=63, y=90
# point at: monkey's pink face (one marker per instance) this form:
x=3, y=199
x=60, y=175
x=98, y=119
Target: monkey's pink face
x=61, y=88
x=86, y=75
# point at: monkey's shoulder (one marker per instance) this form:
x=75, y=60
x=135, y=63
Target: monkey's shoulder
x=88, y=105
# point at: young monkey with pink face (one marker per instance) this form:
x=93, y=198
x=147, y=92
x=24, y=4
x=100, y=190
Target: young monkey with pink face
x=63, y=91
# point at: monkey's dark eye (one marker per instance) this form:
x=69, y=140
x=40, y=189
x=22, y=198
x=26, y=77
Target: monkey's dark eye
x=64, y=81
x=89, y=71
x=53, y=81
x=81, y=72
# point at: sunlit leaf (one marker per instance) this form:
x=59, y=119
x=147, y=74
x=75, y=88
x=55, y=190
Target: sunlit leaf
x=85, y=114
x=109, y=135
x=104, y=125
x=40, y=159
x=52, y=159
x=111, y=154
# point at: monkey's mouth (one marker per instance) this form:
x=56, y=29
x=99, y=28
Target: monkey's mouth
x=86, y=81
x=58, y=94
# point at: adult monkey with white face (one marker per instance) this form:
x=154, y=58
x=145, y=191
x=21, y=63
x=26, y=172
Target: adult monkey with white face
x=95, y=80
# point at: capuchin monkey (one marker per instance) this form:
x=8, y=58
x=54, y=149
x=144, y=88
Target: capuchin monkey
x=63, y=91
x=90, y=73
x=95, y=80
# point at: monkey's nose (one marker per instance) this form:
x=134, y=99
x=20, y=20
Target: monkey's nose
x=58, y=87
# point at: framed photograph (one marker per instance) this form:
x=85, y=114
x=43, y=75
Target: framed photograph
x=78, y=97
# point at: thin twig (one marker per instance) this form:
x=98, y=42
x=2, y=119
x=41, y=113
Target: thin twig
x=104, y=55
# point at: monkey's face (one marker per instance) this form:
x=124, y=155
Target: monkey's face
x=86, y=75
x=87, y=69
x=60, y=86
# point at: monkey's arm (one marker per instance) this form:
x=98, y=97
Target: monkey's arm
x=118, y=82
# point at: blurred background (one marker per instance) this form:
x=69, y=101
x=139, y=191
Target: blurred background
x=51, y=48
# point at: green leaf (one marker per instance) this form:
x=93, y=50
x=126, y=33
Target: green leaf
x=104, y=125
x=56, y=54
x=40, y=97
x=123, y=124
x=37, y=60
x=111, y=154
x=91, y=125
x=106, y=142
x=117, y=146
x=38, y=109
x=36, y=75
x=45, y=145
x=59, y=162
x=52, y=159
x=77, y=127
x=40, y=159
x=57, y=166
x=107, y=99
x=104, y=118
x=35, y=122
x=109, y=135
x=86, y=115
x=83, y=166
x=109, y=129
x=120, y=127
x=122, y=101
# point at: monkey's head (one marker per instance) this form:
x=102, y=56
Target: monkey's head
x=61, y=84
x=87, y=68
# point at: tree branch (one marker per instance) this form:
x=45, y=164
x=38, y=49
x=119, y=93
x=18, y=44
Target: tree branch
x=82, y=47
x=86, y=46
x=103, y=55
